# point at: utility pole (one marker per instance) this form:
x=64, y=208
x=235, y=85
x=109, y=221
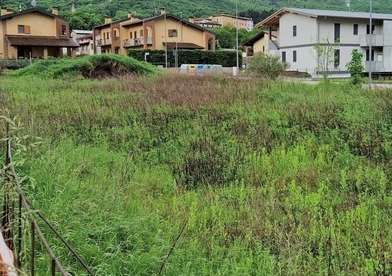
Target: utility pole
x=370, y=43
x=237, y=37
x=166, y=59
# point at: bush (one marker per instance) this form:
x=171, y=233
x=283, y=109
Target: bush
x=13, y=64
x=206, y=164
x=355, y=67
x=96, y=66
x=157, y=57
x=266, y=66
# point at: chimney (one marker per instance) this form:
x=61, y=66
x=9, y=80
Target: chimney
x=108, y=20
x=55, y=10
x=5, y=11
x=130, y=15
x=163, y=11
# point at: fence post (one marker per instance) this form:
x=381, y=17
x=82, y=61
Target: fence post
x=53, y=267
x=20, y=235
x=32, y=268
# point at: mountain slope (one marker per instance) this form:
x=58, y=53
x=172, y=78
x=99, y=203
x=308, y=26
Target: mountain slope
x=90, y=12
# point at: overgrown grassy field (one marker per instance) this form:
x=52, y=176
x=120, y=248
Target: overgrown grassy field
x=270, y=178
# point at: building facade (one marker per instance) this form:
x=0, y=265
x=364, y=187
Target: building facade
x=322, y=41
x=205, y=22
x=156, y=33
x=224, y=20
x=227, y=20
x=34, y=33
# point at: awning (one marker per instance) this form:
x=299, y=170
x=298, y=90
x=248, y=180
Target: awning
x=182, y=45
x=42, y=41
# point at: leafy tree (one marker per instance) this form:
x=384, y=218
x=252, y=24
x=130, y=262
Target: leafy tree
x=355, y=67
x=226, y=36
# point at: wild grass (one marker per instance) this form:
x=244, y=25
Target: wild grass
x=272, y=177
x=97, y=66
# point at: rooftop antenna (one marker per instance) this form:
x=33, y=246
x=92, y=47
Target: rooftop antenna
x=348, y=4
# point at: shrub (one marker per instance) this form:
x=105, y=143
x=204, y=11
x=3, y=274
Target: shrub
x=13, y=64
x=157, y=57
x=266, y=66
x=355, y=67
x=206, y=164
x=96, y=66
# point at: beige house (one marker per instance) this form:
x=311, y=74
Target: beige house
x=263, y=42
x=232, y=21
x=33, y=33
x=156, y=33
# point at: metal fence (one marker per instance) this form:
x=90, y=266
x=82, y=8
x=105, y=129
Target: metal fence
x=23, y=227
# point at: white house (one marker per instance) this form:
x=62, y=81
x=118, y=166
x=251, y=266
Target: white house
x=301, y=33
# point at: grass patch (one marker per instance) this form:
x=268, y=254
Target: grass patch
x=273, y=177
x=96, y=66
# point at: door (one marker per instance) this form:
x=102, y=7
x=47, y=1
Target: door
x=24, y=52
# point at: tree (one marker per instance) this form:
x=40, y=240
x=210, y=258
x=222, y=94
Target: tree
x=325, y=53
x=226, y=36
x=266, y=66
x=355, y=67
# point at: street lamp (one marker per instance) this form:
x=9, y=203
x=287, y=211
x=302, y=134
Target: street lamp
x=237, y=37
x=370, y=42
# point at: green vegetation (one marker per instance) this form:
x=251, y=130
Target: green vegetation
x=96, y=66
x=271, y=178
x=227, y=36
x=90, y=12
x=157, y=57
x=266, y=66
x=355, y=67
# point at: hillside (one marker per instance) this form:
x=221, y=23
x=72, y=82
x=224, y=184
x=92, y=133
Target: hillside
x=90, y=12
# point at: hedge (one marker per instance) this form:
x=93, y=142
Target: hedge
x=14, y=64
x=157, y=57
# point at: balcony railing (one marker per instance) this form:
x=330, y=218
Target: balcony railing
x=374, y=40
x=136, y=42
x=104, y=42
x=376, y=66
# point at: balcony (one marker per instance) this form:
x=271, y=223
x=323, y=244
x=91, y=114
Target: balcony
x=137, y=42
x=377, y=66
x=374, y=40
x=104, y=42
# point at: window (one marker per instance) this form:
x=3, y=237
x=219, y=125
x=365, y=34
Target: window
x=368, y=29
x=131, y=35
x=337, y=58
x=108, y=35
x=24, y=29
x=284, y=57
x=63, y=30
x=263, y=49
x=141, y=33
x=294, y=56
x=135, y=34
x=294, y=31
x=368, y=55
x=355, y=30
x=337, y=32
x=116, y=33
x=173, y=33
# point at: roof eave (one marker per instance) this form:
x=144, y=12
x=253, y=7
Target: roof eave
x=279, y=13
